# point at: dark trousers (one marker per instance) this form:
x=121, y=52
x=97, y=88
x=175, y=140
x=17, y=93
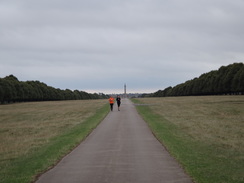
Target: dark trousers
x=111, y=106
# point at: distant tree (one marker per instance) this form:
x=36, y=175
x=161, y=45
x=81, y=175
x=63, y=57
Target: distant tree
x=2, y=91
x=237, y=85
x=227, y=80
x=77, y=95
x=13, y=90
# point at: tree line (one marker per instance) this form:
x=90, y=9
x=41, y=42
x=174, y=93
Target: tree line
x=227, y=80
x=12, y=90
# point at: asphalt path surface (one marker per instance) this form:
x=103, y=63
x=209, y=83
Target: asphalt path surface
x=122, y=149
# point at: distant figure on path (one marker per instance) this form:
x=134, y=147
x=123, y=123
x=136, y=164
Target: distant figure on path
x=111, y=102
x=118, y=99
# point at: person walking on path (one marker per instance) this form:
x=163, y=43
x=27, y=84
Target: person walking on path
x=111, y=102
x=118, y=99
x=122, y=149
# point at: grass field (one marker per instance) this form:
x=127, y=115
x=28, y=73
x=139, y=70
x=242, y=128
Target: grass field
x=34, y=136
x=205, y=134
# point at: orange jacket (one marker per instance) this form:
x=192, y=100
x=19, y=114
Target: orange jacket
x=111, y=100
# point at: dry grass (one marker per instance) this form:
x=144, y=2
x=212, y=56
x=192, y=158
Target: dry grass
x=206, y=134
x=26, y=126
x=216, y=119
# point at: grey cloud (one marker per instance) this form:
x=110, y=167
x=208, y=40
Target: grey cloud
x=149, y=44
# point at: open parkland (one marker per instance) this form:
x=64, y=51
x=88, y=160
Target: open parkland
x=205, y=134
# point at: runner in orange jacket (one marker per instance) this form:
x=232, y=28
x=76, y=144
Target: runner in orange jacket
x=111, y=102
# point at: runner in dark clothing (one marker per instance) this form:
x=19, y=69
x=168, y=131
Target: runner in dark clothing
x=118, y=99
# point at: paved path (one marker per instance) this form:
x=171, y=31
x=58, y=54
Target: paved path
x=121, y=149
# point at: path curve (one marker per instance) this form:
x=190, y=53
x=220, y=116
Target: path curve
x=121, y=149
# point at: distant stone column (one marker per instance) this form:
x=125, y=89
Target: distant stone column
x=125, y=96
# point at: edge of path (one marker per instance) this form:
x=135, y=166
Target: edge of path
x=97, y=118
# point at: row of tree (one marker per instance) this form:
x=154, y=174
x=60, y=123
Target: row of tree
x=13, y=90
x=227, y=80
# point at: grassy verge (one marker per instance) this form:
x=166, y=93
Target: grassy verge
x=205, y=134
x=45, y=132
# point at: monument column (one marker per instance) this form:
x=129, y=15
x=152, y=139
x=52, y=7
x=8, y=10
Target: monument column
x=125, y=91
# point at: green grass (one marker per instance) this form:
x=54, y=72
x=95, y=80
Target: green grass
x=205, y=134
x=45, y=132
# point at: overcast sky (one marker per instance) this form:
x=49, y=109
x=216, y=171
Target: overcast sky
x=98, y=46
